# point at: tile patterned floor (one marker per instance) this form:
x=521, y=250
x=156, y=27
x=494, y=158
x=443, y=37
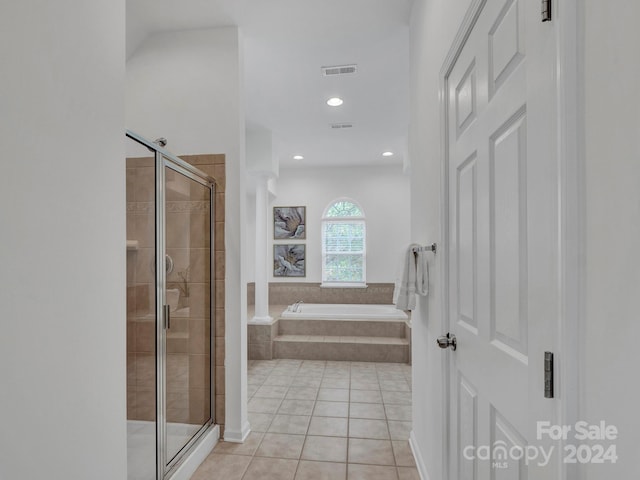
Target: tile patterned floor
x=317, y=420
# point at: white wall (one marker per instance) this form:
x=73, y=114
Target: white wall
x=434, y=24
x=62, y=261
x=612, y=157
x=383, y=194
x=188, y=86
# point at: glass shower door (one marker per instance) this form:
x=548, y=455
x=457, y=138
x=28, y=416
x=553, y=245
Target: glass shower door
x=169, y=305
x=187, y=309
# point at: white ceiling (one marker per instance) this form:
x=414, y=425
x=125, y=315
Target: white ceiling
x=286, y=44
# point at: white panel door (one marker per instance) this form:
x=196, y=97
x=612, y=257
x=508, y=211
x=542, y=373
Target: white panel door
x=502, y=217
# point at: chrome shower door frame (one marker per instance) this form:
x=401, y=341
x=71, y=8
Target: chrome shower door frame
x=164, y=159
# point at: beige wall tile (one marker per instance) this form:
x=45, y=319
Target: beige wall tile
x=198, y=229
x=260, y=351
x=144, y=299
x=200, y=265
x=145, y=404
x=200, y=294
x=219, y=291
x=199, y=339
x=199, y=371
x=177, y=372
x=199, y=406
x=132, y=257
x=219, y=206
x=145, y=370
x=220, y=380
x=219, y=321
x=219, y=359
x=219, y=265
x=145, y=265
x=220, y=175
x=145, y=187
x=131, y=336
x=219, y=236
x=131, y=404
x=140, y=162
x=131, y=187
x=132, y=377
x=144, y=230
x=177, y=343
x=220, y=409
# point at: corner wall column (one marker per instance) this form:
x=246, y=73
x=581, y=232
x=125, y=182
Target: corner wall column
x=261, y=273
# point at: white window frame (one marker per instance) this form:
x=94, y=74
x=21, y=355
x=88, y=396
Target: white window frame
x=359, y=219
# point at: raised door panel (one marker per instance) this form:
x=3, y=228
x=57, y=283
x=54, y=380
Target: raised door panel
x=508, y=193
x=466, y=201
x=467, y=411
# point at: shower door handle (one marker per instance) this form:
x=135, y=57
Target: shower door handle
x=167, y=317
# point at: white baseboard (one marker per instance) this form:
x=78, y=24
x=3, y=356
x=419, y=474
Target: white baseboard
x=189, y=466
x=420, y=465
x=235, y=436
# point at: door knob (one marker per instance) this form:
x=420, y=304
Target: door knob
x=447, y=341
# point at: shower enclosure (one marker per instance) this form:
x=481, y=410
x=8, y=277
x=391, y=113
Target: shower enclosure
x=169, y=309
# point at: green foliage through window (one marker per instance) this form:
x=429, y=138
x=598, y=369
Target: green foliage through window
x=343, y=244
x=343, y=209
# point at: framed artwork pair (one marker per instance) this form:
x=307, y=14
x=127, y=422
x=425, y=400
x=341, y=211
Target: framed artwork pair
x=289, y=223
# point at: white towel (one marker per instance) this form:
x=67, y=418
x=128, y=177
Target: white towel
x=405, y=291
x=422, y=274
x=414, y=279
x=400, y=262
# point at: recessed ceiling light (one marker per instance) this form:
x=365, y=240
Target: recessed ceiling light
x=335, y=102
x=387, y=154
x=298, y=157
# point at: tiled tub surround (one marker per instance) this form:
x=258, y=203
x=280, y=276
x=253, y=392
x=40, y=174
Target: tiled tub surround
x=287, y=293
x=187, y=343
x=321, y=420
x=343, y=311
x=342, y=340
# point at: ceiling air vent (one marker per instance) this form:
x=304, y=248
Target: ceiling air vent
x=338, y=70
x=337, y=126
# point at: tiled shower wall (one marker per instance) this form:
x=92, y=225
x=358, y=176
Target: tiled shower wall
x=141, y=393
x=288, y=293
x=214, y=166
x=187, y=348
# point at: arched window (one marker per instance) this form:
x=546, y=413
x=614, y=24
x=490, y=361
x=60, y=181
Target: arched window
x=343, y=244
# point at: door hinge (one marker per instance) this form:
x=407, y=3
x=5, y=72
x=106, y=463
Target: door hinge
x=546, y=10
x=548, y=375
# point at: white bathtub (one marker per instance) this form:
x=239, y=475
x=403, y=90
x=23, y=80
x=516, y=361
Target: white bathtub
x=322, y=311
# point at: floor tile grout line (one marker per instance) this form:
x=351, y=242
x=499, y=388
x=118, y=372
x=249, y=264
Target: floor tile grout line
x=295, y=474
